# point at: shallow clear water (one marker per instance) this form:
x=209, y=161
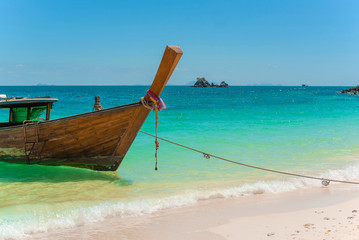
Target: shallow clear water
x=310, y=130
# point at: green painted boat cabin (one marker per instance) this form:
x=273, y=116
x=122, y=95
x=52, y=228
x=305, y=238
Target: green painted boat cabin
x=22, y=109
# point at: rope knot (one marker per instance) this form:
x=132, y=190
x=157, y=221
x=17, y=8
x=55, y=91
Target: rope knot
x=206, y=156
x=159, y=103
x=325, y=182
x=157, y=144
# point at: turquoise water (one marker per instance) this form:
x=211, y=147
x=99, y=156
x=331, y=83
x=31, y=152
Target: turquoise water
x=310, y=130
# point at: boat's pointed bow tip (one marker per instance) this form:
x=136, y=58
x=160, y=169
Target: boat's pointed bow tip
x=175, y=48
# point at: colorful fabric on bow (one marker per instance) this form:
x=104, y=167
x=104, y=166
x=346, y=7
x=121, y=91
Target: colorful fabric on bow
x=159, y=103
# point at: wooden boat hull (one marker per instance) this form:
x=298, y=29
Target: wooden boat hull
x=96, y=140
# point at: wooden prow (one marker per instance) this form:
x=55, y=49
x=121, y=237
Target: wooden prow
x=168, y=64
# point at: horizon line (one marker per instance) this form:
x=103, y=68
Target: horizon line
x=171, y=85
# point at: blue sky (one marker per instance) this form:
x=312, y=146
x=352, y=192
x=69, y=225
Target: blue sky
x=249, y=42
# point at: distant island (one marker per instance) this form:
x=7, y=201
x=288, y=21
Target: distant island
x=353, y=90
x=202, y=82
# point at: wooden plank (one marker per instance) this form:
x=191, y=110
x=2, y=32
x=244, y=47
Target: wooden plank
x=10, y=115
x=168, y=64
x=70, y=140
x=28, y=113
x=48, y=110
x=77, y=124
x=24, y=104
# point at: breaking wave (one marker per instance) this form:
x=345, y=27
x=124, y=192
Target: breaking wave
x=44, y=217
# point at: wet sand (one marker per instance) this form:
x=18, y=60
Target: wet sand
x=318, y=213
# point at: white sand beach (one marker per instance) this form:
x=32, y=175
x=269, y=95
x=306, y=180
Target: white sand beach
x=318, y=213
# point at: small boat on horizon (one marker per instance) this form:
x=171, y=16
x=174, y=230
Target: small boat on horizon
x=97, y=140
x=305, y=85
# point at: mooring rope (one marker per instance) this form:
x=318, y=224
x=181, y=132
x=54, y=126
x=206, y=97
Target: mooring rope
x=158, y=104
x=325, y=181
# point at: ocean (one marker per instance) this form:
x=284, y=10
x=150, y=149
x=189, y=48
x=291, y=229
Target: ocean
x=304, y=130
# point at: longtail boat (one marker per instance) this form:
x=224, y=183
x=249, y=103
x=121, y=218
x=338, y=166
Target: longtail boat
x=97, y=140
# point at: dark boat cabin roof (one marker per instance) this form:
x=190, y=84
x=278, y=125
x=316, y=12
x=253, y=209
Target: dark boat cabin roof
x=22, y=109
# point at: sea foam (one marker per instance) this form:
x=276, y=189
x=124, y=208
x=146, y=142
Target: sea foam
x=45, y=217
